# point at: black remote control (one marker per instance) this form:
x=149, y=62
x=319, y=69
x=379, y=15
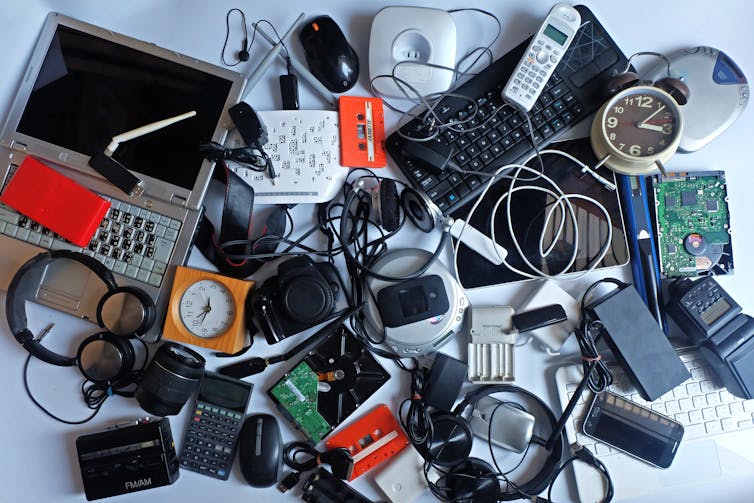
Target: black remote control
x=209, y=446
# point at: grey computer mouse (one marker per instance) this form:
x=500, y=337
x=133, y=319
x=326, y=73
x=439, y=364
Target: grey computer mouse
x=330, y=57
x=260, y=450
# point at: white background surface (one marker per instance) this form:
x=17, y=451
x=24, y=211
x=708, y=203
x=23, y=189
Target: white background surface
x=40, y=458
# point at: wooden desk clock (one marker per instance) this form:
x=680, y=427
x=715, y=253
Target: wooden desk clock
x=207, y=309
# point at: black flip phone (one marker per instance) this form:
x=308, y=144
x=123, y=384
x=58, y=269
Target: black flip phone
x=634, y=429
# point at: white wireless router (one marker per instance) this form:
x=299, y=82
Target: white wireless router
x=412, y=38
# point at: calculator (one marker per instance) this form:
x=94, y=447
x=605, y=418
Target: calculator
x=209, y=445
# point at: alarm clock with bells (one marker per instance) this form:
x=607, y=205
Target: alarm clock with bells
x=207, y=309
x=640, y=127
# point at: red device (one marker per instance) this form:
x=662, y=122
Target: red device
x=55, y=201
x=371, y=439
x=362, y=132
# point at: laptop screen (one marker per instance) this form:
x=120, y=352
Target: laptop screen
x=90, y=89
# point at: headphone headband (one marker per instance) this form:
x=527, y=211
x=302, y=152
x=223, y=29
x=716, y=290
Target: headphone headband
x=24, y=284
x=542, y=479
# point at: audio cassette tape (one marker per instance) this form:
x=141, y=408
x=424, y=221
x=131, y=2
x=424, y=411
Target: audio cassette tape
x=362, y=132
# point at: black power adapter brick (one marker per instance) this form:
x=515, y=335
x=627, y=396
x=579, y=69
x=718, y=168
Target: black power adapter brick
x=637, y=342
x=446, y=376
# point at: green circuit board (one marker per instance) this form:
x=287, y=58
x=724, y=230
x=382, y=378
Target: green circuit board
x=693, y=224
x=296, y=396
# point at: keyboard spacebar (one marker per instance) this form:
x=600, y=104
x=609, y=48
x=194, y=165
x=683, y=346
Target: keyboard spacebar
x=59, y=244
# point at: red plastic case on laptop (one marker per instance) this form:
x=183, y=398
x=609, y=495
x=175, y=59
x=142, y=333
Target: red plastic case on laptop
x=55, y=201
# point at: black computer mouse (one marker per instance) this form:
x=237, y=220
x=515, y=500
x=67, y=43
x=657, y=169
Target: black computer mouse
x=260, y=450
x=329, y=55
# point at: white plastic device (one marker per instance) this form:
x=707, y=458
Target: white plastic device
x=402, y=479
x=718, y=93
x=412, y=38
x=492, y=343
x=304, y=146
x=545, y=293
x=478, y=242
x=545, y=51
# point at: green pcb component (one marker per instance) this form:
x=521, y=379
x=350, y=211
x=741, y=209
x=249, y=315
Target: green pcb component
x=296, y=395
x=693, y=224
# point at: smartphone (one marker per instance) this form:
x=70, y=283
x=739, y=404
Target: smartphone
x=633, y=429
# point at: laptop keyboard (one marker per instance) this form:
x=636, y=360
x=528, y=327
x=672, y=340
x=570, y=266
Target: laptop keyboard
x=130, y=241
x=703, y=408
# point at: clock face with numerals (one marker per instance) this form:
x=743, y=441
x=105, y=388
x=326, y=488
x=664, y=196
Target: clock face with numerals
x=207, y=308
x=641, y=122
x=637, y=130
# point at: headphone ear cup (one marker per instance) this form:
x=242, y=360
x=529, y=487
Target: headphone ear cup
x=389, y=205
x=676, y=88
x=621, y=82
x=127, y=311
x=105, y=357
x=416, y=210
x=472, y=480
x=451, y=440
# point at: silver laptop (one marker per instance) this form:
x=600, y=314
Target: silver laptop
x=84, y=85
x=715, y=456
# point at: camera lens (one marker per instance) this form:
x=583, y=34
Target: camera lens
x=308, y=299
x=170, y=379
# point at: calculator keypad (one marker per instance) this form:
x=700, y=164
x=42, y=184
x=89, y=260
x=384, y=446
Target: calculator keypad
x=211, y=439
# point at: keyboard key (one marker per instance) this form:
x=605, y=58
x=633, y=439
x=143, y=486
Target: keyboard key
x=155, y=279
x=163, y=249
x=131, y=271
x=59, y=244
x=713, y=427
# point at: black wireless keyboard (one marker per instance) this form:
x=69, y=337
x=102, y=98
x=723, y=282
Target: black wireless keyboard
x=576, y=90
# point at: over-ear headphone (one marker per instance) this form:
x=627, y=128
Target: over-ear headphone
x=472, y=479
x=387, y=205
x=671, y=85
x=124, y=312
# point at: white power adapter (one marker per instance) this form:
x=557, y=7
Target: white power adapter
x=415, y=37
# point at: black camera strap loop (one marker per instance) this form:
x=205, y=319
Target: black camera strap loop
x=236, y=225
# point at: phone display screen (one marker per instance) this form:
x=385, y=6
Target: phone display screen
x=633, y=429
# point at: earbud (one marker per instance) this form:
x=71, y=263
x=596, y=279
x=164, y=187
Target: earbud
x=243, y=54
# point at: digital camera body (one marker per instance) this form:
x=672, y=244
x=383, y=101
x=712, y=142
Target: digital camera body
x=303, y=294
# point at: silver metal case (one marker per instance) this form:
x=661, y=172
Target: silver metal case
x=512, y=427
x=425, y=336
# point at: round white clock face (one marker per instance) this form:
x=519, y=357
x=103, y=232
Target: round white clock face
x=207, y=308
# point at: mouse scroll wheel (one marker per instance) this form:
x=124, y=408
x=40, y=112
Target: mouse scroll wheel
x=315, y=26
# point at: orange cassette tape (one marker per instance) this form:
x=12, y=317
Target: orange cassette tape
x=371, y=439
x=362, y=132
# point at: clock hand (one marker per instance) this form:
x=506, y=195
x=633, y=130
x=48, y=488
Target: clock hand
x=643, y=123
x=651, y=127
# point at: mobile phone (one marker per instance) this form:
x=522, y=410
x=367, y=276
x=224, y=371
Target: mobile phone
x=545, y=51
x=633, y=429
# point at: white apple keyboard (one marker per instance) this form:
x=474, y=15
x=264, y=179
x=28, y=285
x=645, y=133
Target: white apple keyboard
x=304, y=146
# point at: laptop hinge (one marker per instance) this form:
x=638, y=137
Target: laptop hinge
x=18, y=146
x=178, y=200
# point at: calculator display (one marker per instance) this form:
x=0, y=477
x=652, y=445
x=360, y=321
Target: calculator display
x=223, y=393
